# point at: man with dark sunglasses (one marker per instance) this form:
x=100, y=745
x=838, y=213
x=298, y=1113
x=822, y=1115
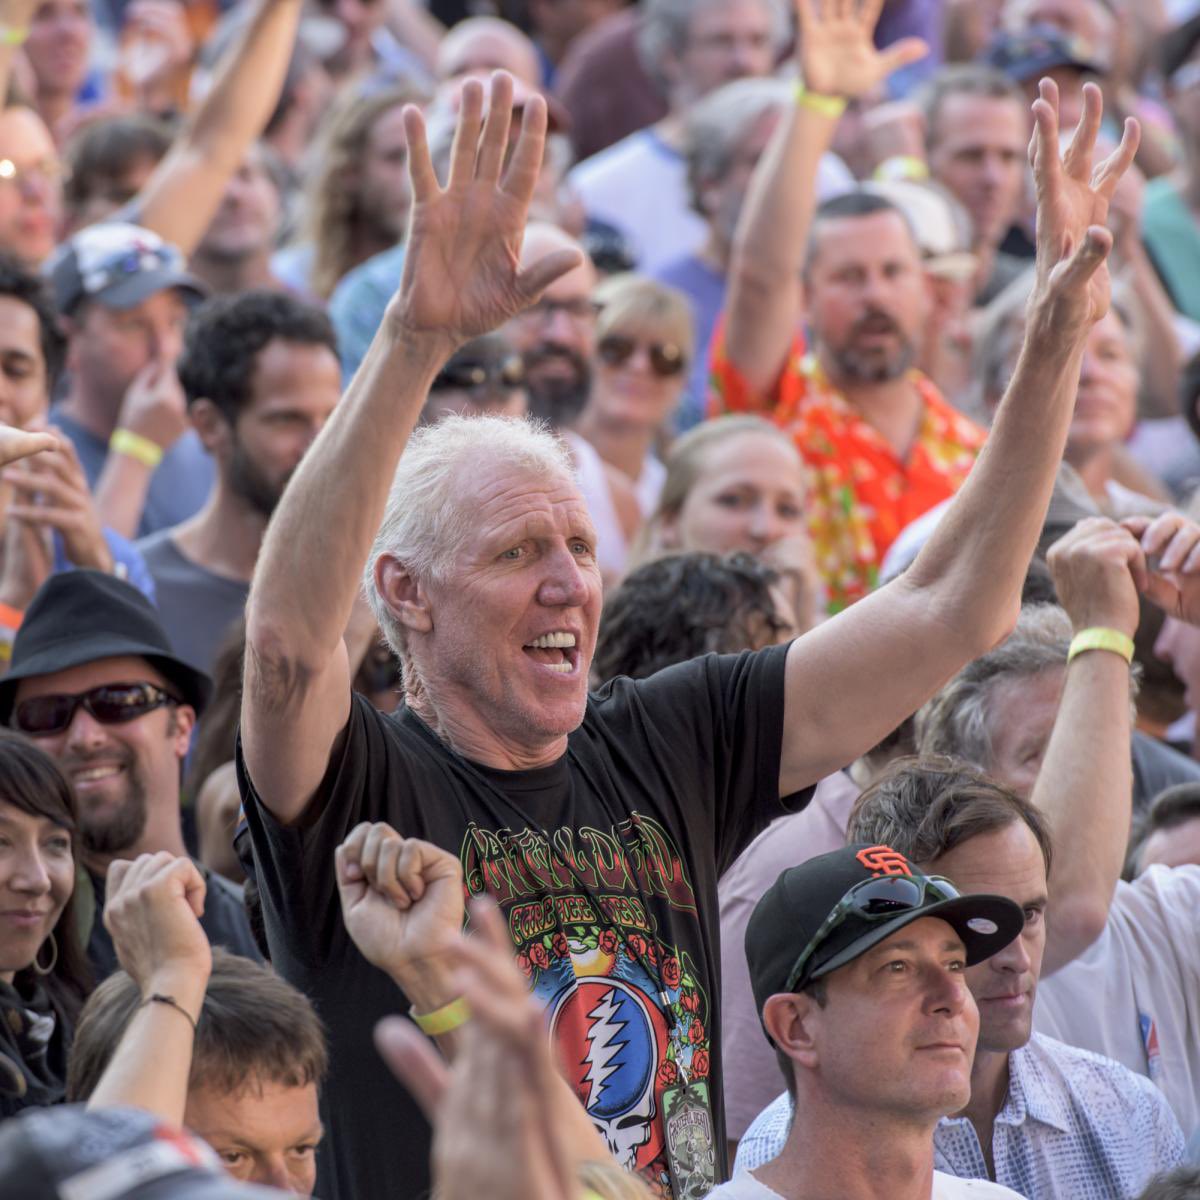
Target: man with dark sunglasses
x=114, y=706
x=858, y=963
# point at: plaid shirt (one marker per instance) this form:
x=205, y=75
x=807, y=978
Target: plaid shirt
x=1075, y=1126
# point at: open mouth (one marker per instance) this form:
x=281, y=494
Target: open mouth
x=84, y=776
x=555, y=651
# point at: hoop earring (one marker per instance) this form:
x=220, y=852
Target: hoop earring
x=53, y=956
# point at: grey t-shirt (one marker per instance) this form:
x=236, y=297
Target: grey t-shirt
x=197, y=607
x=180, y=483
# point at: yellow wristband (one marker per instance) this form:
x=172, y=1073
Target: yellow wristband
x=1099, y=638
x=125, y=441
x=12, y=35
x=827, y=106
x=443, y=1020
x=901, y=167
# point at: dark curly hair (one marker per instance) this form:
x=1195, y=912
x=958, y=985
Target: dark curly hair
x=681, y=606
x=226, y=335
x=22, y=284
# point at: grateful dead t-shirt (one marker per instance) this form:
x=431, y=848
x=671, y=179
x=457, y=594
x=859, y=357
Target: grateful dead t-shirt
x=605, y=867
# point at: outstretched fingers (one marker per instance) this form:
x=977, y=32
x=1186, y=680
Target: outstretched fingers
x=534, y=279
x=420, y=164
x=494, y=143
x=466, y=136
x=1108, y=174
x=1078, y=158
x=526, y=163
x=1043, y=145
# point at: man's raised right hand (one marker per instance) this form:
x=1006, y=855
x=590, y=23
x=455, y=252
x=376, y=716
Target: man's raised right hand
x=461, y=270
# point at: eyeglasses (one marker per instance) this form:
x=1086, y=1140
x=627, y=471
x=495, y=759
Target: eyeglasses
x=873, y=900
x=478, y=377
x=581, y=310
x=666, y=359
x=110, y=704
x=49, y=171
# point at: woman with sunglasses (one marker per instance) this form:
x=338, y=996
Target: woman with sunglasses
x=644, y=343
x=44, y=976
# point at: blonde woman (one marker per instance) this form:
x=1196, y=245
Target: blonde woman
x=644, y=347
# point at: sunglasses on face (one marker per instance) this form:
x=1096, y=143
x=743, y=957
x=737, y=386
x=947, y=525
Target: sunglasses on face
x=666, y=359
x=110, y=704
x=873, y=900
x=476, y=377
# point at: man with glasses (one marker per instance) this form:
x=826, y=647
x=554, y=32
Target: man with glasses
x=1044, y=1118
x=556, y=338
x=859, y=967
x=114, y=706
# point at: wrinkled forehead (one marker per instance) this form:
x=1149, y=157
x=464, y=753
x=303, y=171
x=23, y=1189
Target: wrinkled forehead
x=866, y=239
x=499, y=499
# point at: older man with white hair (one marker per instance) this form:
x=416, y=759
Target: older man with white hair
x=599, y=823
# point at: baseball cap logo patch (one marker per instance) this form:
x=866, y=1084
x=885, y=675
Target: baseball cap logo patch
x=883, y=860
x=982, y=925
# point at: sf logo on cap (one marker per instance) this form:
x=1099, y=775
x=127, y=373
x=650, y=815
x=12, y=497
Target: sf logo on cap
x=883, y=860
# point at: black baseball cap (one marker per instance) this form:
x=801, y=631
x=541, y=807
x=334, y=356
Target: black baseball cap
x=69, y=1152
x=797, y=904
x=79, y=616
x=1029, y=53
x=118, y=265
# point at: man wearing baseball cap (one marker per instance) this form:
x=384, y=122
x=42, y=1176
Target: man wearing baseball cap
x=857, y=964
x=123, y=294
x=95, y=683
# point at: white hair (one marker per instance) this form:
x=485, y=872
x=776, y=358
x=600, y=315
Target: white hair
x=431, y=508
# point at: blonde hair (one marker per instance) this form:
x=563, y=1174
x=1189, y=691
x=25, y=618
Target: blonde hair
x=685, y=464
x=628, y=300
x=331, y=208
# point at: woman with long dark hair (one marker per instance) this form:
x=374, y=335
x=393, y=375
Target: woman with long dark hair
x=44, y=976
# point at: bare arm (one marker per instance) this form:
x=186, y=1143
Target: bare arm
x=460, y=280
x=417, y=28
x=153, y=910
x=853, y=679
x=16, y=16
x=837, y=59
x=402, y=901
x=181, y=197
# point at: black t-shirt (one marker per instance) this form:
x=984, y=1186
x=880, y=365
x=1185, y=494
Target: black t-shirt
x=605, y=866
x=224, y=921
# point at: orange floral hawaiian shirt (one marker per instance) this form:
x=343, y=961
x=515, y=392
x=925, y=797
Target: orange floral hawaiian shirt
x=860, y=494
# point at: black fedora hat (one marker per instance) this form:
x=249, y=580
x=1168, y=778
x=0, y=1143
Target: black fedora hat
x=81, y=616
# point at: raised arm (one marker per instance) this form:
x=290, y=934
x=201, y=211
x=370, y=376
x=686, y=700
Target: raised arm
x=461, y=279
x=153, y=909
x=1085, y=784
x=15, y=19
x=837, y=61
x=854, y=679
x=182, y=196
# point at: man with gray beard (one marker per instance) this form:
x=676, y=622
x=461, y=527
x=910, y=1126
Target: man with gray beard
x=260, y=373
x=114, y=706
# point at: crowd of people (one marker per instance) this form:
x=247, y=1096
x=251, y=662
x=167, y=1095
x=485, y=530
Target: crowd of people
x=600, y=599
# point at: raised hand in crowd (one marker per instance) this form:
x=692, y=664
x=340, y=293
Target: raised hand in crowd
x=836, y=49
x=1170, y=577
x=17, y=444
x=402, y=901
x=498, y=1111
x=154, y=408
x=153, y=914
x=461, y=277
x=51, y=493
x=1073, y=287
